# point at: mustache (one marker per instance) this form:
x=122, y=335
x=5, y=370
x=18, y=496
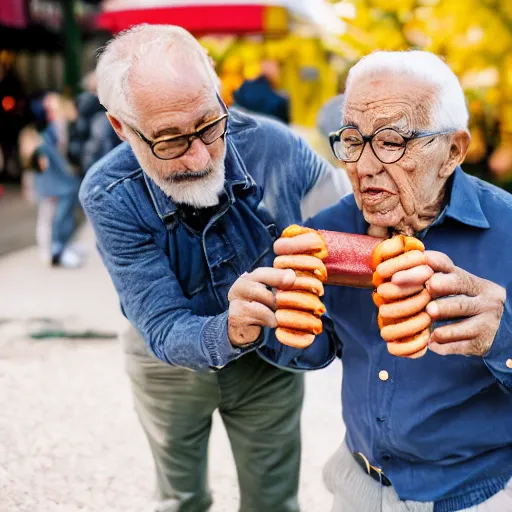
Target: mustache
x=190, y=175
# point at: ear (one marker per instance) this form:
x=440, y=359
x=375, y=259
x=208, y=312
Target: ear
x=459, y=145
x=118, y=127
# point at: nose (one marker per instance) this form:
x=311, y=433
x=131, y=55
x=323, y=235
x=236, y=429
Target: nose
x=368, y=164
x=197, y=157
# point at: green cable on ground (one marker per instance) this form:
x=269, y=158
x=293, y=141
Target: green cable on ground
x=49, y=333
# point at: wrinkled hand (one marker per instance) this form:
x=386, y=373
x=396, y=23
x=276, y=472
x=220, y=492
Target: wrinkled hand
x=252, y=304
x=457, y=294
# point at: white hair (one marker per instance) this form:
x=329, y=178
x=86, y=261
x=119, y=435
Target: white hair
x=156, y=47
x=450, y=110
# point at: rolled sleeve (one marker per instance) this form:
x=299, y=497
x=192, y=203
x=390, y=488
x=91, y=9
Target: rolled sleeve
x=216, y=341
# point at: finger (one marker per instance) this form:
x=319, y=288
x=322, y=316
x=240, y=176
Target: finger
x=454, y=307
x=415, y=276
x=463, y=347
x=245, y=314
x=282, y=278
x=391, y=291
x=403, y=262
x=469, y=328
x=300, y=244
x=457, y=282
x=439, y=261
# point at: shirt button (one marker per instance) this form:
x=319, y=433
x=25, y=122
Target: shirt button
x=383, y=375
x=509, y=363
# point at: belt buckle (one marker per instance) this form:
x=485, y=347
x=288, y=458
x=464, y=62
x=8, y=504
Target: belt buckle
x=370, y=467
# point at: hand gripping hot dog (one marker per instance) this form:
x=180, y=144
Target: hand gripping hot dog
x=402, y=319
x=299, y=309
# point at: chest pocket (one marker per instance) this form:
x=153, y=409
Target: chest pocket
x=206, y=265
x=239, y=241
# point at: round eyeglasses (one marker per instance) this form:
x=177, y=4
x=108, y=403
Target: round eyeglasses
x=387, y=144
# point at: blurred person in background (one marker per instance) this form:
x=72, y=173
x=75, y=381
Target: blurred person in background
x=91, y=136
x=182, y=210
x=261, y=96
x=56, y=189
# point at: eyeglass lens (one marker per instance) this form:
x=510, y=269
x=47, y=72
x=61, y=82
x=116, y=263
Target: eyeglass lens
x=175, y=147
x=388, y=145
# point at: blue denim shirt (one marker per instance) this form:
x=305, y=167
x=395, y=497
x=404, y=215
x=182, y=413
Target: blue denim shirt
x=440, y=427
x=172, y=281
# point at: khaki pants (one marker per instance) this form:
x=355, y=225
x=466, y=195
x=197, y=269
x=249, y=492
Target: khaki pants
x=355, y=491
x=260, y=407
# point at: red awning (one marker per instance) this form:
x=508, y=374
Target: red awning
x=202, y=19
x=13, y=14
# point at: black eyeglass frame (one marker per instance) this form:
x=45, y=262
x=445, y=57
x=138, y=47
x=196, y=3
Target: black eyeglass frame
x=336, y=137
x=189, y=137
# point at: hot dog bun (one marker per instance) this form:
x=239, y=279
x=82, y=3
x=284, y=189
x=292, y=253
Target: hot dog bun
x=402, y=319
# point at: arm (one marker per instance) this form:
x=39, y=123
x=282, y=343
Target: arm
x=152, y=299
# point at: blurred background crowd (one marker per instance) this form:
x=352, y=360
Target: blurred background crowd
x=284, y=58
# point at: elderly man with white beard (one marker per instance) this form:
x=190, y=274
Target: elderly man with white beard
x=430, y=432
x=183, y=210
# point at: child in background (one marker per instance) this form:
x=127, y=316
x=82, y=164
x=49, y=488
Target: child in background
x=56, y=190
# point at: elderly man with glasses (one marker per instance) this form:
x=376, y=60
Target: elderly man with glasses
x=431, y=433
x=183, y=210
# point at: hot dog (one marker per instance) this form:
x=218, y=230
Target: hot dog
x=405, y=328
x=303, y=262
x=299, y=320
x=402, y=319
x=390, y=291
x=303, y=301
x=294, y=338
x=295, y=230
x=405, y=307
x=387, y=249
x=306, y=282
x=411, y=345
x=405, y=261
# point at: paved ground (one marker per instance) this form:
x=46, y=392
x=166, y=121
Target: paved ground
x=69, y=439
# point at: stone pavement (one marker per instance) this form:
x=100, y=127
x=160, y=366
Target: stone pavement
x=69, y=438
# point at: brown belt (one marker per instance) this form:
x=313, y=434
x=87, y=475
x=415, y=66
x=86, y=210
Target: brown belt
x=375, y=473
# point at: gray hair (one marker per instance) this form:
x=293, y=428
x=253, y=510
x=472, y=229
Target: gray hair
x=450, y=111
x=155, y=47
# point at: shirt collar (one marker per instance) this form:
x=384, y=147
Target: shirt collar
x=236, y=176
x=464, y=204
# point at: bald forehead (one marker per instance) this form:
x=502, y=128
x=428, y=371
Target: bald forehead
x=379, y=100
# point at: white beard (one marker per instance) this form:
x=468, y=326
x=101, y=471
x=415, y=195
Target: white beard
x=199, y=193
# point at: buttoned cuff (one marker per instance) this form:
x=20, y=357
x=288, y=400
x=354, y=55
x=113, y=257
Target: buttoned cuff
x=218, y=347
x=499, y=358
